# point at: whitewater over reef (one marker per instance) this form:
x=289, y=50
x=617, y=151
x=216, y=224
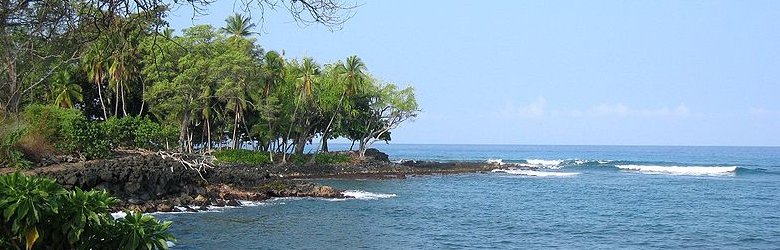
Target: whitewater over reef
x=679, y=170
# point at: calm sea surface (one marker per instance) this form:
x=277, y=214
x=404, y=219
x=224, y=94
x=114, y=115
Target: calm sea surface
x=612, y=197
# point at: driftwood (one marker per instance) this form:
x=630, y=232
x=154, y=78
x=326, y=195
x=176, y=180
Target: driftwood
x=198, y=163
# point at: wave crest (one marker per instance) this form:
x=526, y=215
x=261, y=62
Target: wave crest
x=534, y=173
x=363, y=195
x=678, y=170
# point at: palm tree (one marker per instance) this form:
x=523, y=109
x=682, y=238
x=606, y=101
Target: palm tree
x=353, y=75
x=65, y=91
x=273, y=71
x=119, y=73
x=238, y=26
x=273, y=74
x=95, y=64
x=307, y=73
x=309, y=70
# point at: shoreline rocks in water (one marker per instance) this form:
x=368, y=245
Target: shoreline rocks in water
x=151, y=183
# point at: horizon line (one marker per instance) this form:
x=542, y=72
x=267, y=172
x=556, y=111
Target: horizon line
x=600, y=145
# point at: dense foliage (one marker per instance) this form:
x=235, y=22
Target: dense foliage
x=38, y=213
x=129, y=83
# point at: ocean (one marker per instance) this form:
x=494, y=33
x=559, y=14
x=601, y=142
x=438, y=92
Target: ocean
x=582, y=197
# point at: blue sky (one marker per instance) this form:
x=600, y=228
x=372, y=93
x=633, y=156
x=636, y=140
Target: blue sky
x=559, y=72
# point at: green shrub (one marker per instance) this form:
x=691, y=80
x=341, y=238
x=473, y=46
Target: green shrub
x=242, y=156
x=68, y=129
x=138, y=132
x=152, y=135
x=89, y=139
x=121, y=131
x=38, y=212
x=72, y=133
x=331, y=158
x=298, y=159
x=10, y=155
x=53, y=122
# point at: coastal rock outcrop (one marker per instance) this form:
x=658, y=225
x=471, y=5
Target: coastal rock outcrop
x=149, y=183
x=374, y=155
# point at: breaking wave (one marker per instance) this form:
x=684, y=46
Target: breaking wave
x=680, y=170
x=536, y=167
x=534, y=173
x=363, y=195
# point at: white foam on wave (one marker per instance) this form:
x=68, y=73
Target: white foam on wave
x=544, y=163
x=679, y=170
x=495, y=161
x=363, y=195
x=534, y=173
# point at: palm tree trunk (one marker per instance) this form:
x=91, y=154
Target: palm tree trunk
x=208, y=135
x=102, y=104
x=289, y=131
x=184, y=132
x=116, y=100
x=124, y=105
x=143, y=91
x=235, y=126
x=327, y=128
x=270, y=140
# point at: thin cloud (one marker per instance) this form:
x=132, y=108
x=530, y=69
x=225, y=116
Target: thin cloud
x=538, y=108
x=534, y=109
x=622, y=110
x=762, y=112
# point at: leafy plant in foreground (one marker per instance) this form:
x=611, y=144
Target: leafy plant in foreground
x=36, y=212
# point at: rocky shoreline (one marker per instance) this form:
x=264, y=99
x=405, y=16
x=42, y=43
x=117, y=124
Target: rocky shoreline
x=151, y=183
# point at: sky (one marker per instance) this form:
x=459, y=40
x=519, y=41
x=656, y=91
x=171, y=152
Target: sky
x=558, y=72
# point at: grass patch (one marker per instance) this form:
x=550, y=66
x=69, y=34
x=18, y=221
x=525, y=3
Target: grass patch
x=332, y=158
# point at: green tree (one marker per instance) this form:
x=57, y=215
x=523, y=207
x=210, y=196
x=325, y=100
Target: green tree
x=272, y=72
x=176, y=93
x=389, y=108
x=238, y=25
x=95, y=63
x=352, y=78
x=238, y=80
x=307, y=76
x=64, y=91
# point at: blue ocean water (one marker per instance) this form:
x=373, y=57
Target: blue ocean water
x=610, y=197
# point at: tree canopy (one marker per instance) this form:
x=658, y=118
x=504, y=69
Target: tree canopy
x=216, y=85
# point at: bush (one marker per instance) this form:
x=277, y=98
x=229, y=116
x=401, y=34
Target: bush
x=72, y=133
x=152, y=135
x=68, y=129
x=326, y=158
x=138, y=132
x=38, y=212
x=242, y=156
x=298, y=159
x=10, y=155
x=121, y=131
x=89, y=139
x=53, y=123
